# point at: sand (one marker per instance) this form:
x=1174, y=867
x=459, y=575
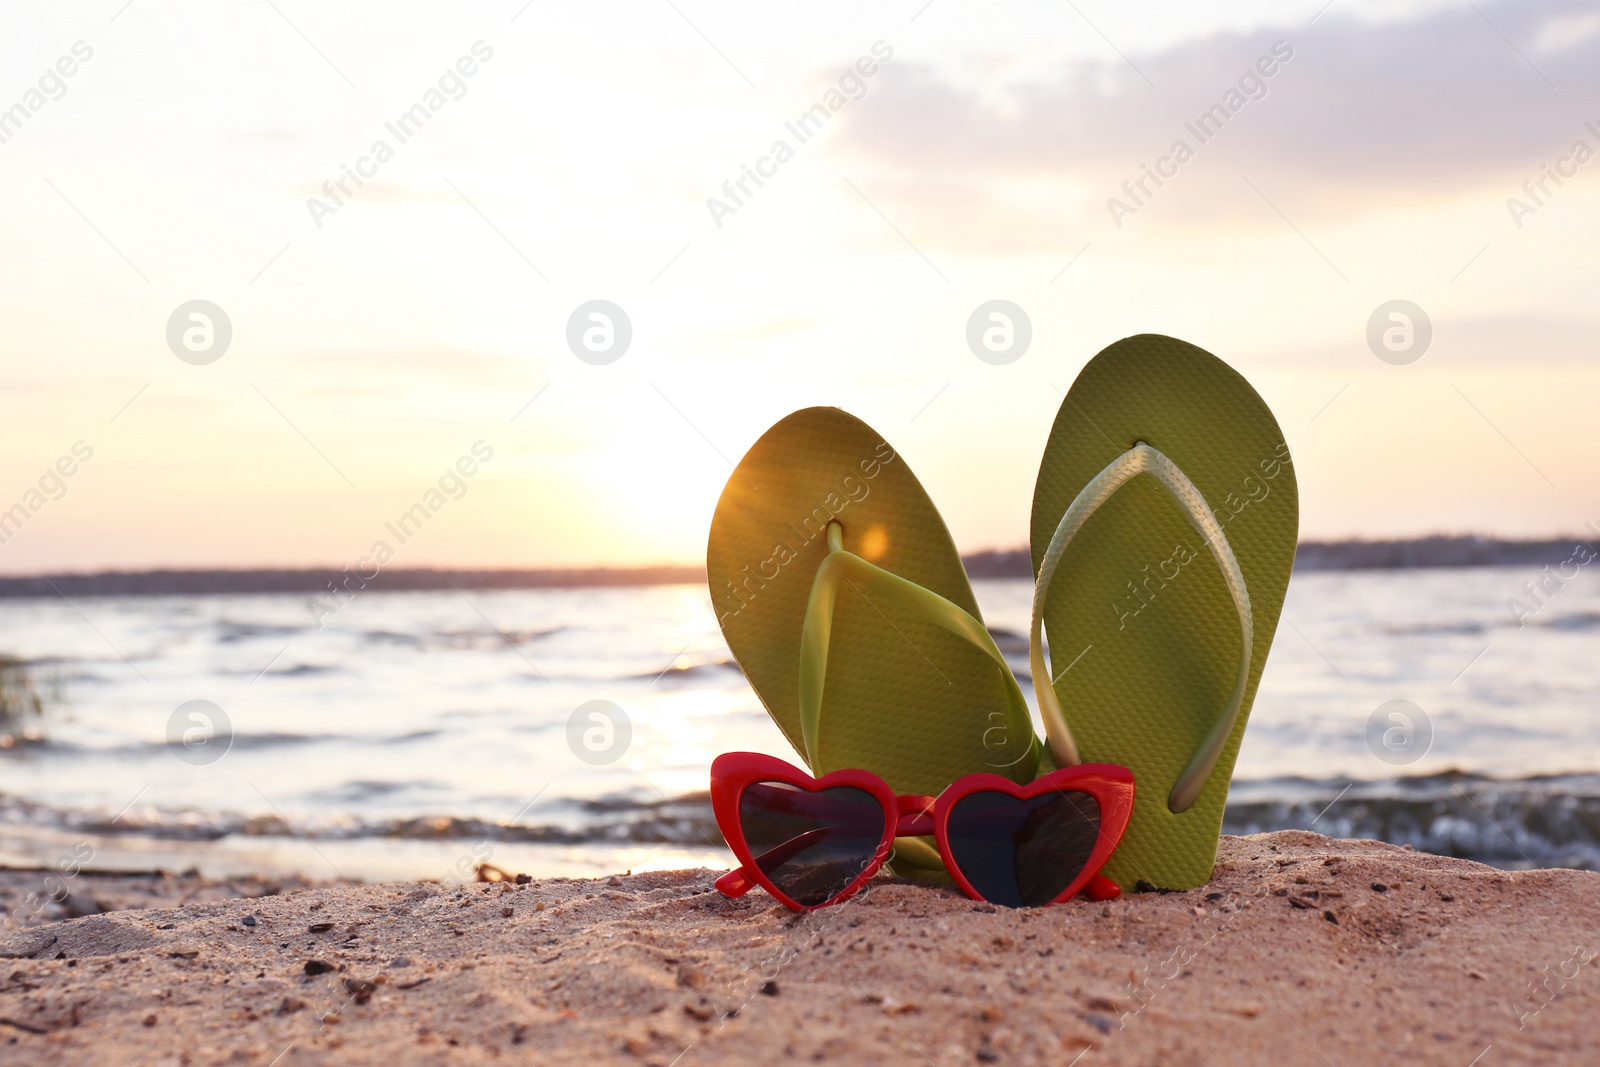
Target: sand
x=1303, y=949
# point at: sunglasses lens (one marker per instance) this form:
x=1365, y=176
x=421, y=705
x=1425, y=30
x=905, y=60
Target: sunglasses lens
x=1023, y=853
x=811, y=845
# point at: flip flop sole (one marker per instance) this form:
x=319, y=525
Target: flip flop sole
x=903, y=698
x=1144, y=637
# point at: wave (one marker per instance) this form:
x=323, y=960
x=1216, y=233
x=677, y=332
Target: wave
x=1576, y=621
x=1583, y=620
x=694, y=672
x=685, y=820
x=1548, y=821
x=1436, y=628
x=467, y=639
x=357, y=791
x=1544, y=821
x=300, y=670
x=54, y=747
x=1009, y=642
x=229, y=631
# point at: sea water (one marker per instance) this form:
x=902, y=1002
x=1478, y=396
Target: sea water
x=419, y=734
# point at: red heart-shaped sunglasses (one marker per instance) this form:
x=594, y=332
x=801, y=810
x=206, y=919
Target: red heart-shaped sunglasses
x=811, y=842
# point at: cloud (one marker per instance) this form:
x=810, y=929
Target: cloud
x=1567, y=31
x=1362, y=117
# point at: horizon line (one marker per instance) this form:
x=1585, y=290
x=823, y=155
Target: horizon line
x=1435, y=550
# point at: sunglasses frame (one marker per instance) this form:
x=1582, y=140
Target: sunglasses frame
x=911, y=815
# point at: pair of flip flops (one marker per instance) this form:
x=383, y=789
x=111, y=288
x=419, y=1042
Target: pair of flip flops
x=1165, y=519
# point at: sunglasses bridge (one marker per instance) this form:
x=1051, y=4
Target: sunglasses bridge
x=913, y=816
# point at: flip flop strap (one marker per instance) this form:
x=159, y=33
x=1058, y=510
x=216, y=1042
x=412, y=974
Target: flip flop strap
x=1142, y=459
x=840, y=566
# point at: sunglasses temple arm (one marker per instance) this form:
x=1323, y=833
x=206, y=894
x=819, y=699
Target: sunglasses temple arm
x=1099, y=888
x=913, y=815
x=734, y=884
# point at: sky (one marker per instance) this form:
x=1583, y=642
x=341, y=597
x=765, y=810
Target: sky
x=383, y=333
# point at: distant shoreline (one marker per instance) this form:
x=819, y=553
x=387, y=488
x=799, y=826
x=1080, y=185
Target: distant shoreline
x=1013, y=563
x=314, y=581
x=1355, y=555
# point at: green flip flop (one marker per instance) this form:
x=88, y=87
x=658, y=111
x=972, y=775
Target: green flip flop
x=1164, y=527
x=844, y=601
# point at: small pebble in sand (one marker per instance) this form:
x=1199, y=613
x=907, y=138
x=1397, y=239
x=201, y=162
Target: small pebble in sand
x=769, y=989
x=360, y=989
x=248, y=920
x=1379, y=887
x=316, y=967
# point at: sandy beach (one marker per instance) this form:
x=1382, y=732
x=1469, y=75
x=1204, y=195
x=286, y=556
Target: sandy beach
x=1303, y=949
